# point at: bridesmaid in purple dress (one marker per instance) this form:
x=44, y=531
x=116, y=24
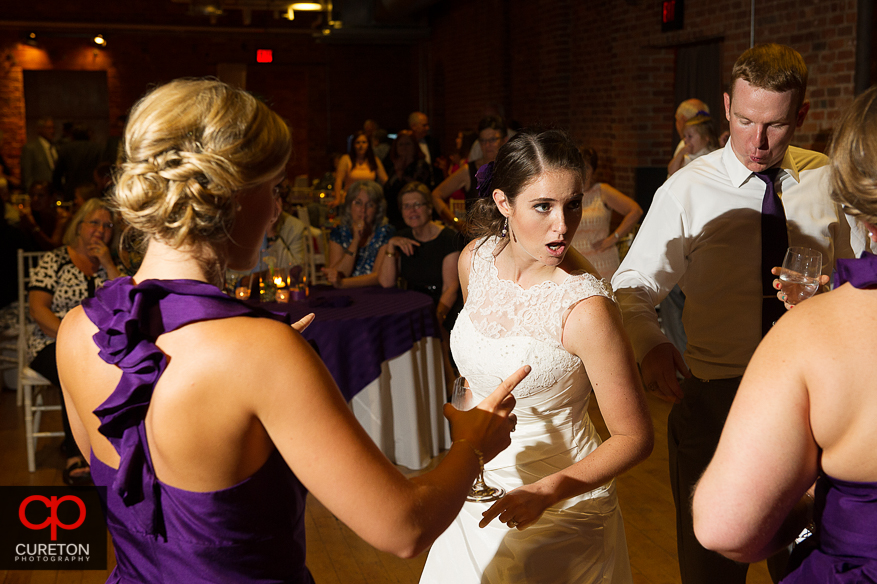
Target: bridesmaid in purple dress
x=805, y=410
x=208, y=419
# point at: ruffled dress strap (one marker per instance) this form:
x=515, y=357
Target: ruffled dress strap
x=861, y=272
x=130, y=318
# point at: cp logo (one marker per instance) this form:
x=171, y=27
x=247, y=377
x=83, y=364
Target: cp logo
x=51, y=504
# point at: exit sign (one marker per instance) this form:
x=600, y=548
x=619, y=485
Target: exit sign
x=264, y=55
x=671, y=15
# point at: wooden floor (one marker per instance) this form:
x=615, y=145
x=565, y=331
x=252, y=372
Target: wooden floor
x=338, y=556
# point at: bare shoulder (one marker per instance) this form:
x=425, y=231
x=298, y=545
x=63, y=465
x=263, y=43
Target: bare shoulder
x=75, y=328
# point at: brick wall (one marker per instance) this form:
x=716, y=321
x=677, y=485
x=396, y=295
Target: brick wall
x=605, y=71
x=602, y=69
x=324, y=91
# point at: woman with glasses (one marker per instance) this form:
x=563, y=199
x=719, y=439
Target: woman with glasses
x=492, y=134
x=63, y=279
x=357, y=245
x=426, y=255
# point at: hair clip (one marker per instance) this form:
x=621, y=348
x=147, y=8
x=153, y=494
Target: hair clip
x=483, y=180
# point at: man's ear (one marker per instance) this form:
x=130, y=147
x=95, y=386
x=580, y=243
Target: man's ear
x=802, y=114
x=727, y=106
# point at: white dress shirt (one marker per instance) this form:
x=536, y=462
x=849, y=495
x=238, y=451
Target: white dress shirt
x=703, y=231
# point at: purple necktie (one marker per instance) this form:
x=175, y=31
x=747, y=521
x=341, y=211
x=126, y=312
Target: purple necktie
x=774, y=243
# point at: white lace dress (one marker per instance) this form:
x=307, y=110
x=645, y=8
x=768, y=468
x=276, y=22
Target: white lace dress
x=594, y=228
x=501, y=327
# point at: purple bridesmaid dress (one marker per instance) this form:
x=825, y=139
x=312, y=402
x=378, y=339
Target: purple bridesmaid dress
x=250, y=532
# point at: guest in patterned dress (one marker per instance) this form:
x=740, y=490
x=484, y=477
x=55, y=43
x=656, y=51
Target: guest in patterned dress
x=63, y=279
x=593, y=239
x=358, y=246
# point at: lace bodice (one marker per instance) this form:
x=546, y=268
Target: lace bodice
x=502, y=327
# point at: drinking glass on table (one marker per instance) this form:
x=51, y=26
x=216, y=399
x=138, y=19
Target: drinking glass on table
x=463, y=399
x=800, y=274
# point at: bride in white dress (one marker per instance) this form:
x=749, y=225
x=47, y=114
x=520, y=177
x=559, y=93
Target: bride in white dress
x=532, y=300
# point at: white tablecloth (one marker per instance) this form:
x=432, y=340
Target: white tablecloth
x=402, y=409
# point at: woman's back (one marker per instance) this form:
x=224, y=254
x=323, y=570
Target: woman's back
x=831, y=342
x=198, y=482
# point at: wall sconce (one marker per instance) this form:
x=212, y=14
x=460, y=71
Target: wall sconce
x=100, y=41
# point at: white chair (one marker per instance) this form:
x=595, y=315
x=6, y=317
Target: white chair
x=315, y=254
x=31, y=384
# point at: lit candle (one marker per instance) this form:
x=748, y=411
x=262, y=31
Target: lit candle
x=282, y=295
x=242, y=292
x=278, y=282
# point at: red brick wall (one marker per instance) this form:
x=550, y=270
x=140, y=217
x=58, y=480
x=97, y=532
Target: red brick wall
x=324, y=91
x=605, y=71
x=602, y=69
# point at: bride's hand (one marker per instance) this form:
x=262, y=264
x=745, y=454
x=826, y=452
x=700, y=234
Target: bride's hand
x=520, y=508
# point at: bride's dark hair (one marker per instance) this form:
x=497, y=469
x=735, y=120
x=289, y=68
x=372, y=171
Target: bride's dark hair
x=520, y=162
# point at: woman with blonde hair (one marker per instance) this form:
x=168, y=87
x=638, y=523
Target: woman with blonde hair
x=699, y=135
x=805, y=410
x=209, y=419
x=63, y=279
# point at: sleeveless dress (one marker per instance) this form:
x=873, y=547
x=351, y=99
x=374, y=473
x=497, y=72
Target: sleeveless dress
x=843, y=550
x=248, y=533
x=501, y=327
x=593, y=229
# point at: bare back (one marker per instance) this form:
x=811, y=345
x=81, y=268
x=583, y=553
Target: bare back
x=202, y=429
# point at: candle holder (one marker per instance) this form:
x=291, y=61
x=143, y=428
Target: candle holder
x=282, y=295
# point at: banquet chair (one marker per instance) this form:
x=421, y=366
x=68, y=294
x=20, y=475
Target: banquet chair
x=315, y=247
x=31, y=385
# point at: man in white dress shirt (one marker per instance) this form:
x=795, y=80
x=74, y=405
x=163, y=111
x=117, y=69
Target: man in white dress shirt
x=703, y=233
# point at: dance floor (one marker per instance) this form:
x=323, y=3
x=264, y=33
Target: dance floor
x=338, y=556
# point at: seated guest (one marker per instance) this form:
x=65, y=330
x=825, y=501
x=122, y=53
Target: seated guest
x=284, y=244
x=699, y=136
x=359, y=164
x=61, y=281
x=427, y=260
x=408, y=164
x=44, y=221
x=805, y=409
x=593, y=239
x=208, y=420
x=492, y=134
x=357, y=246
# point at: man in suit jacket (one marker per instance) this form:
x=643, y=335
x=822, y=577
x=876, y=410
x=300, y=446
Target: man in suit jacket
x=38, y=156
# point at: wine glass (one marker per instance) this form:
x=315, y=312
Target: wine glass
x=800, y=274
x=463, y=399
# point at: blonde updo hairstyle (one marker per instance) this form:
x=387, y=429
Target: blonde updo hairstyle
x=853, y=157
x=189, y=147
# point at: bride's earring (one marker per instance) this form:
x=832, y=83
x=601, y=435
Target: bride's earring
x=505, y=228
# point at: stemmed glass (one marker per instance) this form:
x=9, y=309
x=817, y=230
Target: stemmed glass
x=800, y=274
x=463, y=400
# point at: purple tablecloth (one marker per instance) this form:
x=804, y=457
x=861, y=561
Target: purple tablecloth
x=358, y=329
